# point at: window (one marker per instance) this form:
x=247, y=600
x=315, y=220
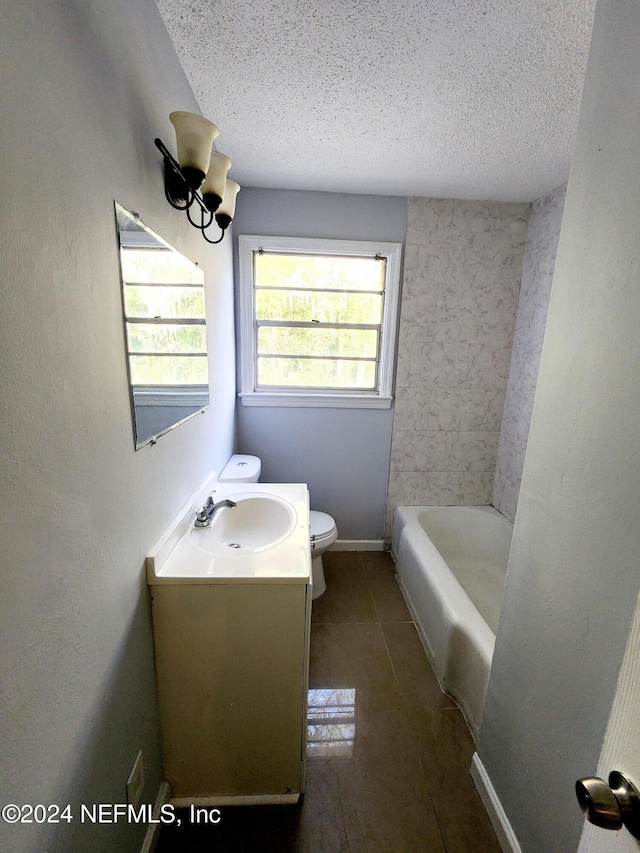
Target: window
x=165, y=322
x=318, y=321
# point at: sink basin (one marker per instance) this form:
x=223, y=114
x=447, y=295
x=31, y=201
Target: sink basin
x=264, y=538
x=255, y=523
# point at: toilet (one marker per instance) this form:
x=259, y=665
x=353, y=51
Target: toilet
x=246, y=469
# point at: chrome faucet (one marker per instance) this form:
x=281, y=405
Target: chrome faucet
x=205, y=514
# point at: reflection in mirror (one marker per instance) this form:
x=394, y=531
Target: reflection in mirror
x=331, y=722
x=164, y=317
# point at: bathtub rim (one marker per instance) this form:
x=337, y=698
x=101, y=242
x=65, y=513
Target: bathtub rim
x=403, y=515
x=457, y=609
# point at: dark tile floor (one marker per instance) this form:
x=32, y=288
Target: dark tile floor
x=389, y=753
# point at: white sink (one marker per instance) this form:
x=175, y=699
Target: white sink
x=263, y=538
x=255, y=523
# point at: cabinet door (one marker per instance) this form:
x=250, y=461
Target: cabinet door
x=231, y=675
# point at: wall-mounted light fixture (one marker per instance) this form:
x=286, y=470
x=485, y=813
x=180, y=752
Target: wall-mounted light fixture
x=199, y=177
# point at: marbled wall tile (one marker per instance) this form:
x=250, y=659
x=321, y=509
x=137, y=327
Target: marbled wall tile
x=418, y=317
x=517, y=417
x=505, y=497
x=483, y=365
x=404, y=488
x=508, y=470
x=403, y=363
x=465, y=409
x=422, y=218
x=473, y=450
x=388, y=522
x=475, y=316
x=484, y=409
x=433, y=488
x=497, y=496
x=537, y=275
x=462, y=270
x=546, y=217
x=411, y=409
x=441, y=488
x=449, y=409
x=457, y=327
x=420, y=450
x=433, y=363
x=477, y=488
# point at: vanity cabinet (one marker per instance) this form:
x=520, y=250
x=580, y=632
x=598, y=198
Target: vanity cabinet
x=232, y=674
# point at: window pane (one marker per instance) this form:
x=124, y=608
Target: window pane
x=346, y=343
x=316, y=373
x=168, y=370
x=321, y=307
x=166, y=302
x=159, y=266
x=146, y=337
x=319, y=271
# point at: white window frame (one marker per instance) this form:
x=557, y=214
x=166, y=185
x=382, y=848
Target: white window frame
x=378, y=399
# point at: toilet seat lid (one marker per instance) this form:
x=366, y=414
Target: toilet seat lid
x=321, y=524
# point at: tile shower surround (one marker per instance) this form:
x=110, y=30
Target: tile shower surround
x=537, y=273
x=462, y=269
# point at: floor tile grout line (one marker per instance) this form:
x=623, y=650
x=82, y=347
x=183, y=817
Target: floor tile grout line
x=371, y=595
x=435, y=813
x=414, y=737
x=375, y=607
x=386, y=621
x=403, y=708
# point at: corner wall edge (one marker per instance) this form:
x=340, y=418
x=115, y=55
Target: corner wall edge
x=497, y=815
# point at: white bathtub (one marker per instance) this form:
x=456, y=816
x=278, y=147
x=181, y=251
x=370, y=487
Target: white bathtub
x=452, y=563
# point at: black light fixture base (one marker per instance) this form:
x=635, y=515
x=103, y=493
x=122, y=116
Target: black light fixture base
x=193, y=178
x=181, y=191
x=223, y=220
x=212, y=201
x=176, y=189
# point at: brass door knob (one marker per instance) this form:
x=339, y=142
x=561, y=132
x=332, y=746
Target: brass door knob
x=610, y=806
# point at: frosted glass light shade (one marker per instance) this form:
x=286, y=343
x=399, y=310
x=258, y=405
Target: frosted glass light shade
x=227, y=208
x=214, y=184
x=194, y=136
x=228, y=205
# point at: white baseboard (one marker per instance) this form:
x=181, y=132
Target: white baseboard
x=497, y=815
x=153, y=830
x=358, y=545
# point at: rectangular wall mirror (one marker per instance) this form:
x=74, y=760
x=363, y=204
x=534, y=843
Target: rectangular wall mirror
x=165, y=330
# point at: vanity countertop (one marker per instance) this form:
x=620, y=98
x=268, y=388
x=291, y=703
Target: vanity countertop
x=237, y=547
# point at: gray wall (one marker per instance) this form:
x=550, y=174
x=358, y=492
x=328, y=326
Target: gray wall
x=573, y=579
x=86, y=86
x=537, y=274
x=342, y=454
x=463, y=263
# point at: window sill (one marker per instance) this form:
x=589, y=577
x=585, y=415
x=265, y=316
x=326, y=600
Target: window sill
x=171, y=395
x=324, y=401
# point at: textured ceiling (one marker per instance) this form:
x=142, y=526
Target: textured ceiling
x=441, y=98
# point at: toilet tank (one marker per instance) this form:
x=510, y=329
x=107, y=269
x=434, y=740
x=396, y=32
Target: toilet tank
x=241, y=469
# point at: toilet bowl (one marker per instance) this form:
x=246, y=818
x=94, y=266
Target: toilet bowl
x=242, y=468
x=323, y=534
